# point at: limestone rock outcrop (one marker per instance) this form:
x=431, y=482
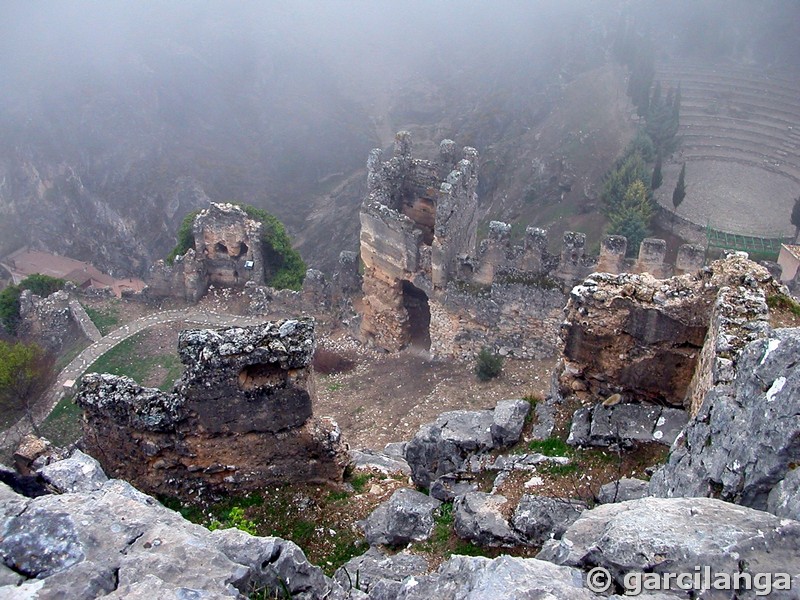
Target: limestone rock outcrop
x=746, y=437
x=109, y=540
x=239, y=417
x=444, y=446
x=657, y=535
x=407, y=516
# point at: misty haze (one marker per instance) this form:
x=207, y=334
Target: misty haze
x=456, y=296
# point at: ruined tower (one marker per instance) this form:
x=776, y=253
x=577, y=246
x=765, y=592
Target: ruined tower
x=418, y=218
x=227, y=253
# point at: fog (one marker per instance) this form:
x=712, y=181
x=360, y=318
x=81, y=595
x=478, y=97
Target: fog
x=275, y=102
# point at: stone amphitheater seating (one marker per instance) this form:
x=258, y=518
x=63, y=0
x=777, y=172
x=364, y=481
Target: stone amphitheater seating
x=743, y=116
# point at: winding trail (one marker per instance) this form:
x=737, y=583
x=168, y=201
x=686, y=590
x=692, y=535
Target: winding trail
x=84, y=360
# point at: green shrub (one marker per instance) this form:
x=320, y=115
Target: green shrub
x=185, y=237
x=488, y=365
x=41, y=285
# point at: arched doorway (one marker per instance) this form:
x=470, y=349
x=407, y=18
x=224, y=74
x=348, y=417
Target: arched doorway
x=415, y=301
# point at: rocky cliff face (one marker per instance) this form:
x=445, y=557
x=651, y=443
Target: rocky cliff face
x=240, y=416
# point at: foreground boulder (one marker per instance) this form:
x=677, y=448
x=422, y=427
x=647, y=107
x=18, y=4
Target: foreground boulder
x=117, y=542
x=240, y=416
x=539, y=518
x=380, y=574
x=657, y=535
x=626, y=424
x=479, y=518
x=407, y=516
x=507, y=577
x=444, y=446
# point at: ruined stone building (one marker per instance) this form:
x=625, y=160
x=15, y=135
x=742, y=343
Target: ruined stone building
x=427, y=283
x=418, y=218
x=228, y=253
x=239, y=418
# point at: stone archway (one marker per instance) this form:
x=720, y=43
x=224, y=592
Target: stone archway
x=415, y=301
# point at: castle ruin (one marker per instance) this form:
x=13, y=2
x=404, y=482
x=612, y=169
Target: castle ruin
x=227, y=253
x=427, y=283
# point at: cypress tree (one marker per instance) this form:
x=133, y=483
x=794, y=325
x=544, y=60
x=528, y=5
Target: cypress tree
x=657, y=178
x=796, y=218
x=679, y=193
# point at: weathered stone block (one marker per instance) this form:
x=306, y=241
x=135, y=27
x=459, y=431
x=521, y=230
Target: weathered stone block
x=240, y=417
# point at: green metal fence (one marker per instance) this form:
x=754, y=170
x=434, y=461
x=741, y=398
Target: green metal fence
x=766, y=247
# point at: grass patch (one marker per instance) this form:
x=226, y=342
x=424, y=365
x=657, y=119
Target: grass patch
x=552, y=446
x=359, y=481
x=105, y=319
x=781, y=302
x=335, y=387
x=130, y=358
x=557, y=470
x=63, y=425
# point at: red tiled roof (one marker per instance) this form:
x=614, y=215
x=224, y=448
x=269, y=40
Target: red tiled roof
x=25, y=262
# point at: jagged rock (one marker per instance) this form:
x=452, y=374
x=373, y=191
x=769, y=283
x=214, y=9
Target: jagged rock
x=784, y=499
x=478, y=518
x=508, y=420
x=507, y=577
x=407, y=516
x=381, y=461
x=30, y=448
x=396, y=449
x=442, y=447
x=744, y=439
x=447, y=487
x=118, y=541
x=240, y=416
x=375, y=567
x=539, y=518
x=625, y=424
x=676, y=535
x=622, y=490
x=9, y=577
x=78, y=473
x=524, y=462
x=273, y=562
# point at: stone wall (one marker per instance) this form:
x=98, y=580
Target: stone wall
x=661, y=341
x=239, y=418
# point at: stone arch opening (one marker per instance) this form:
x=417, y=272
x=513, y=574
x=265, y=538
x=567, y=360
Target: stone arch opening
x=242, y=250
x=261, y=376
x=221, y=248
x=415, y=301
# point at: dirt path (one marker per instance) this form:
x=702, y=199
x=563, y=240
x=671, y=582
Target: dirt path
x=387, y=397
x=80, y=363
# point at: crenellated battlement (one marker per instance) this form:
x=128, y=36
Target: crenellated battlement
x=498, y=255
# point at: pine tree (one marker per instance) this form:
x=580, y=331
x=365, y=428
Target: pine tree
x=658, y=178
x=632, y=217
x=796, y=218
